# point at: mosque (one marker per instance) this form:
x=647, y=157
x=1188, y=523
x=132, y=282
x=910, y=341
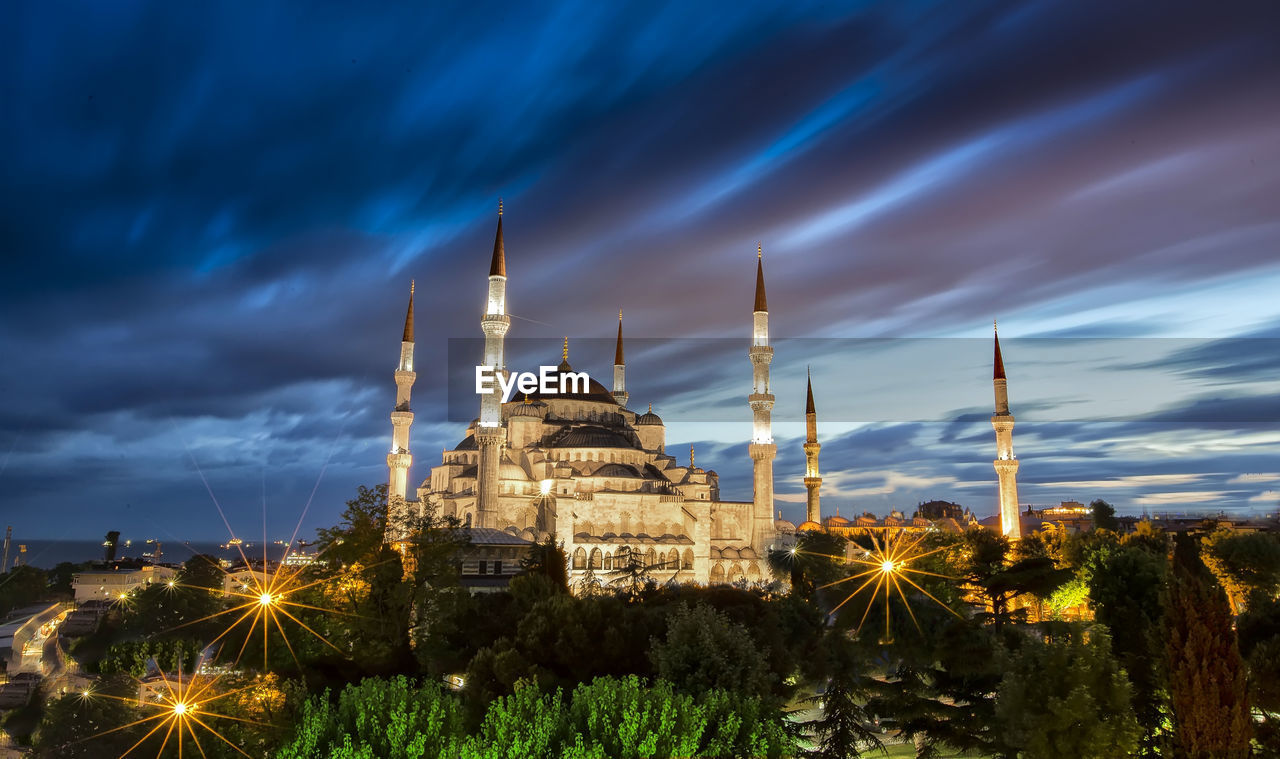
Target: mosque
x=595, y=476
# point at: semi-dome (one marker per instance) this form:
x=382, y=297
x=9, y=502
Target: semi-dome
x=510, y=471
x=616, y=470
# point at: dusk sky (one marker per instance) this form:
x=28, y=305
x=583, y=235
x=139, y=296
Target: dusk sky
x=213, y=212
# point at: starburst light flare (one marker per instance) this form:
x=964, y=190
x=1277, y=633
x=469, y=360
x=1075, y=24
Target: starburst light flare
x=888, y=565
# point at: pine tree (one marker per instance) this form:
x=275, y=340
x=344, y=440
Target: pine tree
x=1206, y=674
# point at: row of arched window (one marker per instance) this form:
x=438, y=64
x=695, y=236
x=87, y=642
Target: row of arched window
x=600, y=560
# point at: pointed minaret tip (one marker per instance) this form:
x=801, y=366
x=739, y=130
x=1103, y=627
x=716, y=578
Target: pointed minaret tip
x=498, y=266
x=617, y=354
x=808, y=403
x=691, y=466
x=564, y=352
x=408, y=317
x=761, y=303
x=998, y=372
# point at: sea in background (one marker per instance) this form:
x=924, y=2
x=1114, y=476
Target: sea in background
x=46, y=554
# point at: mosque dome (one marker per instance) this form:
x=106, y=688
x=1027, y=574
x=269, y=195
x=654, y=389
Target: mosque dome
x=783, y=525
x=648, y=417
x=809, y=526
x=530, y=408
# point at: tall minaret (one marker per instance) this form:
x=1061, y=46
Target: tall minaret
x=399, y=459
x=620, y=369
x=1005, y=463
x=812, y=479
x=762, y=448
x=491, y=436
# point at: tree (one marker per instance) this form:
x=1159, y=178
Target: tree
x=982, y=561
x=816, y=559
x=705, y=651
x=1066, y=698
x=1247, y=564
x=1125, y=584
x=846, y=726
x=75, y=726
x=1104, y=516
x=22, y=586
x=623, y=719
x=549, y=560
x=360, y=534
x=1206, y=674
x=387, y=719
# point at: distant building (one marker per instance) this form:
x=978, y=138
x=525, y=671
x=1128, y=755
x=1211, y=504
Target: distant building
x=117, y=584
x=245, y=580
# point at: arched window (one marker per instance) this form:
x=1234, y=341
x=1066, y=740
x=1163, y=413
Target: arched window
x=580, y=558
x=608, y=561
x=468, y=522
x=687, y=561
x=717, y=573
x=673, y=560
x=735, y=573
x=753, y=573
x=596, y=559
x=622, y=558
x=651, y=558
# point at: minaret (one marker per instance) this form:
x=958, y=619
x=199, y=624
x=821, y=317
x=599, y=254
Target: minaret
x=399, y=459
x=620, y=369
x=812, y=479
x=491, y=436
x=1005, y=463
x=762, y=449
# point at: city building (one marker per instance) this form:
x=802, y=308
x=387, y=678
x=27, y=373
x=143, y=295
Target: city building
x=117, y=584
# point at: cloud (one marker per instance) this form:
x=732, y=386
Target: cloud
x=214, y=213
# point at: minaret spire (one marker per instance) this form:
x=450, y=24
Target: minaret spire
x=762, y=303
x=498, y=266
x=620, y=369
x=399, y=459
x=408, y=317
x=490, y=434
x=762, y=448
x=1006, y=464
x=998, y=372
x=812, y=477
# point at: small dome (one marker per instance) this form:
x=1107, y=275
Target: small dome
x=809, y=527
x=748, y=553
x=530, y=408
x=649, y=417
x=715, y=553
x=783, y=525
x=729, y=553
x=838, y=521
